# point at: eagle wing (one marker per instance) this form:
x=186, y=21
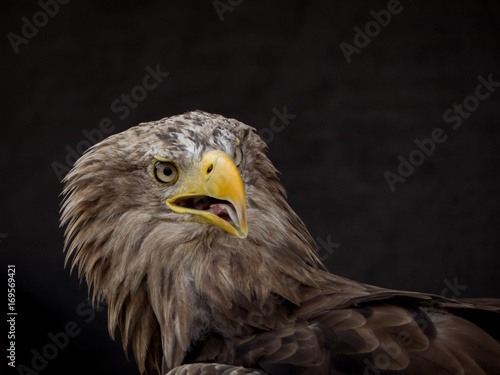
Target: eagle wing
x=380, y=332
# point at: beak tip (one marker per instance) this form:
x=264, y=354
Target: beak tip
x=242, y=234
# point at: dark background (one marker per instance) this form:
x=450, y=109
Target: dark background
x=353, y=120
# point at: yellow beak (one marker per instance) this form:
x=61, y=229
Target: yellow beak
x=215, y=195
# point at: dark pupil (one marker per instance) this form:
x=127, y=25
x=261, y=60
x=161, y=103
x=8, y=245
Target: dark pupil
x=167, y=171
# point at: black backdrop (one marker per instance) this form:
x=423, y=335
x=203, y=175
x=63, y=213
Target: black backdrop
x=250, y=60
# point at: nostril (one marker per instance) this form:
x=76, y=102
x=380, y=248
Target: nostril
x=210, y=168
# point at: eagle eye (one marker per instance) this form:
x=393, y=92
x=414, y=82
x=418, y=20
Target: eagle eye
x=165, y=172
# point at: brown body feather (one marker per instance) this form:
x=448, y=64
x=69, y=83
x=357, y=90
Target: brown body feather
x=193, y=299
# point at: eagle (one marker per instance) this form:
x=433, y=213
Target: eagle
x=182, y=226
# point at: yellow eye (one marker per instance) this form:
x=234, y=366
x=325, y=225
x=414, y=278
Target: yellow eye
x=165, y=172
x=237, y=156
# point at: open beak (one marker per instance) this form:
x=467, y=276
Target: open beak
x=215, y=195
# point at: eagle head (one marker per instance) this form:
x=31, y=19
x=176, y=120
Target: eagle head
x=175, y=220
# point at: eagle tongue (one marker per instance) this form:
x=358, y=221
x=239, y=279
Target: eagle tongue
x=221, y=210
